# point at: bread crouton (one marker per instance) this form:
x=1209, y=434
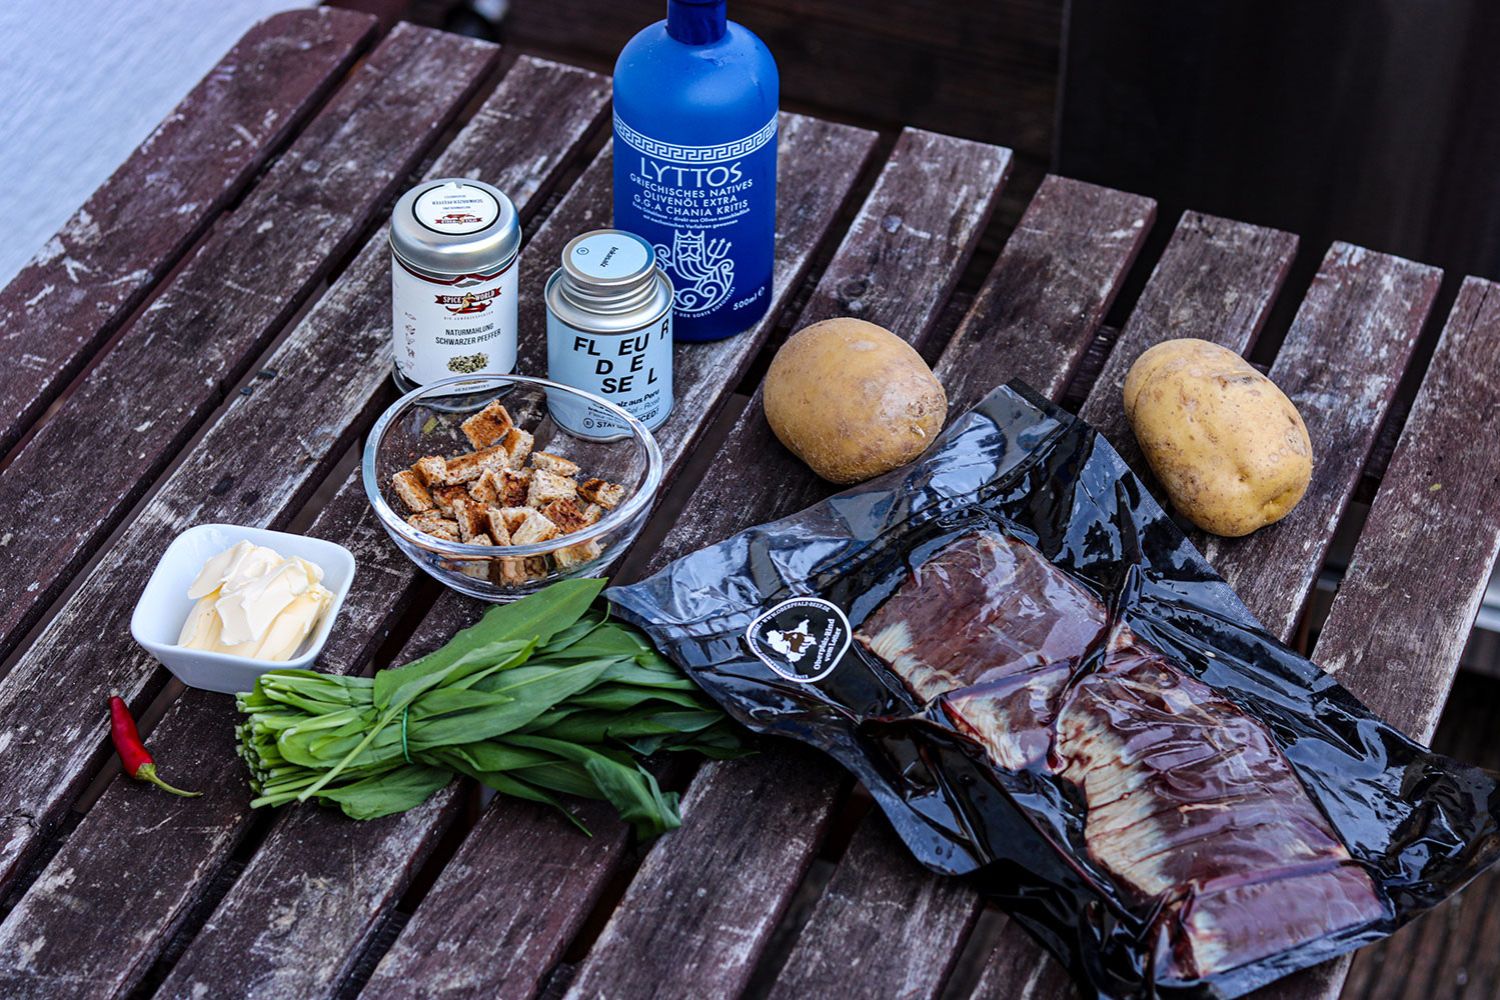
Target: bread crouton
x=554, y=463
x=549, y=486
x=606, y=495
x=479, y=569
x=443, y=497
x=487, y=426
x=512, y=517
x=467, y=468
x=517, y=444
x=473, y=520
x=411, y=491
x=499, y=530
x=566, y=515
x=486, y=489
x=534, y=527
x=592, y=513
x=513, y=486
x=432, y=470
x=519, y=571
x=576, y=555
x=434, y=524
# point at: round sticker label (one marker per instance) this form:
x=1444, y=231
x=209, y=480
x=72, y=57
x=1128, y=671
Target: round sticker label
x=802, y=639
x=610, y=255
x=455, y=209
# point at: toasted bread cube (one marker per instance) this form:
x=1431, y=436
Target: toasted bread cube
x=499, y=530
x=486, y=489
x=513, y=485
x=443, y=497
x=479, y=569
x=554, y=463
x=518, y=571
x=534, y=527
x=592, y=513
x=432, y=470
x=575, y=555
x=512, y=517
x=487, y=426
x=517, y=444
x=549, y=486
x=434, y=524
x=467, y=468
x=411, y=491
x=606, y=495
x=566, y=515
x=473, y=521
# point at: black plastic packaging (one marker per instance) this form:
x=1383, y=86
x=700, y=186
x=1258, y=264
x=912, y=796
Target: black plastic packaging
x=1170, y=800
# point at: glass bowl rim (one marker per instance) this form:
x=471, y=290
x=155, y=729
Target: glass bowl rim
x=621, y=515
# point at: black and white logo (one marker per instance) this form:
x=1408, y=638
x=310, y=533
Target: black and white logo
x=802, y=639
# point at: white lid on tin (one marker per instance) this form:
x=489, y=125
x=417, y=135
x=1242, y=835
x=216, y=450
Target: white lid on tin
x=608, y=258
x=455, y=226
x=455, y=209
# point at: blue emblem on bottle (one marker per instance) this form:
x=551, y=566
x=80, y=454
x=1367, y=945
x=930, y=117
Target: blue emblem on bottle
x=695, y=163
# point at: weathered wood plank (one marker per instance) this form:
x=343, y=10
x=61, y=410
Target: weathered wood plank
x=1340, y=364
x=1216, y=280
x=331, y=373
x=87, y=279
x=529, y=920
x=1034, y=318
x=1039, y=308
x=883, y=926
x=1360, y=318
x=313, y=957
x=1403, y=613
x=895, y=270
x=135, y=410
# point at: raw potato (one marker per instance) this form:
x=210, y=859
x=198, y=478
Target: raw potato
x=852, y=399
x=1228, y=446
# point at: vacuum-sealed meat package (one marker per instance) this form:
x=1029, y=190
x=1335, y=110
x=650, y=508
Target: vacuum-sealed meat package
x=1047, y=689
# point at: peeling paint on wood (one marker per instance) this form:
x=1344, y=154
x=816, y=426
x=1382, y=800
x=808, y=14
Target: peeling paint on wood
x=76, y=291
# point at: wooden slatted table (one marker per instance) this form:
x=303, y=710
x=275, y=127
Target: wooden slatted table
x=207, y=340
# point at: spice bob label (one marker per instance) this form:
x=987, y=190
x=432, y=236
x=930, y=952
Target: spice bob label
x=802, y=639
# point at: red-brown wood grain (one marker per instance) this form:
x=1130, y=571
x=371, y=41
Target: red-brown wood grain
x=330, y=373
x=1362, y=314
x=1403, y=612
x=132, y=413
x=731, y=872
x=312, y=956
x=85, y=281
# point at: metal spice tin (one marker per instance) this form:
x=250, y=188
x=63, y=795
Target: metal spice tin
x=454, y=244
x=609, y=332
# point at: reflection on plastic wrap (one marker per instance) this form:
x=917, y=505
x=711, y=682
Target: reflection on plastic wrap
x=1050, y=691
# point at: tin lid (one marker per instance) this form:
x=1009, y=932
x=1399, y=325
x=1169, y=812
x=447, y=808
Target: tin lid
x=607, y=259
x=455, y=226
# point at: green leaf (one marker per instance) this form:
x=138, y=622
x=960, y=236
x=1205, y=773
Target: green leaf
x=391, y=792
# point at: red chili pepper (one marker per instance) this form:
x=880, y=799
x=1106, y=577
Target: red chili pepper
x=133, y=754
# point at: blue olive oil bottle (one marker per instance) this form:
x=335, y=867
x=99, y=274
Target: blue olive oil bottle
x=695, y=163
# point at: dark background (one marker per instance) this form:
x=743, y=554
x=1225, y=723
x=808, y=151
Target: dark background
x=1372, y=121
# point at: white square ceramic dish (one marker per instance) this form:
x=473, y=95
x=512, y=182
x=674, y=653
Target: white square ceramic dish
x=164, y=604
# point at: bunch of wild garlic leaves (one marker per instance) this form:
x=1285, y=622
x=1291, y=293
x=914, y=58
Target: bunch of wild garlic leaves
x=540, y=697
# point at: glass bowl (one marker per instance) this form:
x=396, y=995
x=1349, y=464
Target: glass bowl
x=426, y=422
